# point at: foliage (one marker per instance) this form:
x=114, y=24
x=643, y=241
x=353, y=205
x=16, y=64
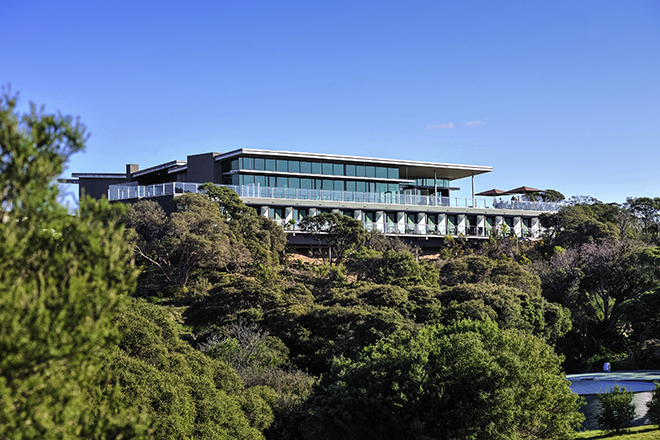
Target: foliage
x=647, y=211
x=62, y=279
x=185, y=393
x=478, y=269
x=511, y=308
x=263, y=237
x=398, y=268
x=342, y=234
x=617, y=409
x=471, y=380
x=653, y=405
x=195, y=236
x=582, y=221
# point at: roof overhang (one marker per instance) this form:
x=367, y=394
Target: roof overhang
x=418, y=168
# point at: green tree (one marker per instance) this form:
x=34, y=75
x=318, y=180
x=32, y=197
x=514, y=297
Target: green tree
x=471, y=380
x=184, y=393
x=343, y=235
x=62, y=280
x=653, y=405
x=264, y=238
x=617, y=409
x=195, y=236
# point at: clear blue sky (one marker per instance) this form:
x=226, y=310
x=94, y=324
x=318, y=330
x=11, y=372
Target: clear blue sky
x=562, y=94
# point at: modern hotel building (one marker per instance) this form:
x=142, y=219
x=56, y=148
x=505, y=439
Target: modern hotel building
x=403, y=197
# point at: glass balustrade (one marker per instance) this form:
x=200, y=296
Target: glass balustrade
x=124, y=192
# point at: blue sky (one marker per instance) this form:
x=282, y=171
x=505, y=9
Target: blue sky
x=562, y=95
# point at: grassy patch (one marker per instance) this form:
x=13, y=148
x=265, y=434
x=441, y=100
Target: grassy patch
x=639, y=433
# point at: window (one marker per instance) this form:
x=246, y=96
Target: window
x=368, y=217
x=306, y=167
x=299, y=214
x=270, y=164
x=282, y=182
x=294, y=166
x=381, y=172
x=391, y=217
x=350, y=186
x=359, y=171
x=338, y=169
x=370, y=171
x=316, y=168
x=350, y=170
x=246, y=163
x=338, y=185
x=294, y=182
x=432, y=219
x=281, y=166
x=327, y=169
x=259, y=164
x=276, y=213
x=392, y=173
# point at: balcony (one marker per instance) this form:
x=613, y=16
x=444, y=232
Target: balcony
x=126, y=192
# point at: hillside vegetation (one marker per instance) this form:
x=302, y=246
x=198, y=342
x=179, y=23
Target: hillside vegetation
x=126, y=322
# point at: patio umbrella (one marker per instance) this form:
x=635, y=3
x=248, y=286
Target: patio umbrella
x=522, y=190
x=491, y=192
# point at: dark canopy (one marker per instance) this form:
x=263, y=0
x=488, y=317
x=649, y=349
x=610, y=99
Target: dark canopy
x=492, y=192
x=523, y=190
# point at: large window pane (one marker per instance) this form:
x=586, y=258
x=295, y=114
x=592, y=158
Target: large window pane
x=328, y=184
x=359, y=171
x=392, y=173
x=350, y=186
x=261, y=180
x=294, y=182
x=270, y=164
x=327, y=169
x=316, y=168
x=381, y=172
x=350, y=170
x=282, y=182
x=306, y=183
x=294, y=166
x=381, y=187
x=361, y=186
x=338, y=185
x=259, y=164
x=306, y=167
x=338, y=169
x=248, y=179
x=370, y=171
x=281, y=165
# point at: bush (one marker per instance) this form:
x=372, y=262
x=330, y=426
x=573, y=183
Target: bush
x=653, y=406
x=617, y=409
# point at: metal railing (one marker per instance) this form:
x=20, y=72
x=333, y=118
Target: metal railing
x=124, y=192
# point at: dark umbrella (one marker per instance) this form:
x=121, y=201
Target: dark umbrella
x=522, y=190
x=491, y=192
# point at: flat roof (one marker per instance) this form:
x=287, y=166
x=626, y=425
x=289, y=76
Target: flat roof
x=163, y=166
x=99, y=175
x=418, y=168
